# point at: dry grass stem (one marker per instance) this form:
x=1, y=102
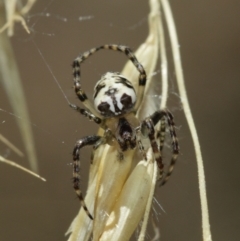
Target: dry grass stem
x=10, y=145
x=10, y=77
x=186, y=107
x=14, y=164
x=15, y=13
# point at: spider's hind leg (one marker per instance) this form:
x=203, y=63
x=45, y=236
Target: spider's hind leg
x=76, y=79
x=88, y=140
x=86, y=113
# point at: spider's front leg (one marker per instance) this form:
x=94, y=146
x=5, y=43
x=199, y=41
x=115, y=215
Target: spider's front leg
x=85, y=141
x=161, y=133
x=147, y=128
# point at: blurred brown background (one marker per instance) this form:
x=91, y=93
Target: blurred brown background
x=209, y=34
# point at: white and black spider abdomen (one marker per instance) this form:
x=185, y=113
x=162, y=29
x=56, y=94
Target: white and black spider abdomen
x=114, y=95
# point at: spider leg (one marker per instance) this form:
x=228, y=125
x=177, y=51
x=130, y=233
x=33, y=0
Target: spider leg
x=142, y=76
x=77, y=74
x=149, y=123
x=88, y=140
x=76, y=78
x=147, y=128
x=86, y=113
x=161, y=133
x=139, y=143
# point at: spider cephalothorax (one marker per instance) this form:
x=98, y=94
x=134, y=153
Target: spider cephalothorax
x=114, y=109
x=126, y=135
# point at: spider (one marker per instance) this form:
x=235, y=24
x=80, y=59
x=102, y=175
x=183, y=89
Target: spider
x=115, y=106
